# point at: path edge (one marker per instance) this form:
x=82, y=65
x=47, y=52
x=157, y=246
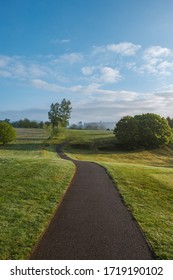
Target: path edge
x=130, y=212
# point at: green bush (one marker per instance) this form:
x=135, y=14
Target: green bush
x=7, y=133
x=146, y=130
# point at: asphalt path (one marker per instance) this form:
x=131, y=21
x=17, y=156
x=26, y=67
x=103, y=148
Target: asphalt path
x=92, y=222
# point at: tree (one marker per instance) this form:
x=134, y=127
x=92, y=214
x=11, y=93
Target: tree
x=170, y=122
x=154, y=130
x=127, y=132
x=59, y=114
x=65, y=112
x=7, y=133
x=6, y=120
x=146, y=130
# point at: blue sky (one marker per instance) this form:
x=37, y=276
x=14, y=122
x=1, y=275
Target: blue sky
x=110, y=58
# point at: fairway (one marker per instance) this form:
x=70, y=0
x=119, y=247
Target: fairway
x=33, y=181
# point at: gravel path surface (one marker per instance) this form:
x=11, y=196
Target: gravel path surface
x=92, y=222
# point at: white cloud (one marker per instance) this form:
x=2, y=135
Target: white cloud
x=76, y=88
x=22, y=68
x=161, y=68
x=19, y=70
x=165, y=67
x=46, y=86
x=98, y=49
x=87, y=71
x=101, y=74
x=109, y=75
x=4, y=61
x=158, y=61
x=71, y=58
x=156, y=52
x=36, y=71
x=125, y=49
x=52, y=87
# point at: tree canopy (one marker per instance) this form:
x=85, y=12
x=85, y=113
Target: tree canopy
x=60, y=113
x=146, y=130
x=7, y=133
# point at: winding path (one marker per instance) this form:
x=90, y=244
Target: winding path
x=92, y=223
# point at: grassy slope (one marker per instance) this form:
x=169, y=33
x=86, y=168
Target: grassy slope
x=33, y=181
x=144, y=178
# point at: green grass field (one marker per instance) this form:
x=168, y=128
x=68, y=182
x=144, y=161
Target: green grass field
x=33, y=181
x=145, y=180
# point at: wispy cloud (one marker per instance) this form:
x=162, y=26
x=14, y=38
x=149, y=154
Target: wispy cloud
x=109, y=75
x=156, y=52
x=124, y=48
x=4, y=60
x=158, y=61
x=51, y=87
x=101, y=74
x=64, y=41
x=5, y=74
x=36, y=70
x=71, y=58
x=61, y=41
x=88, y=70
x=21, y=68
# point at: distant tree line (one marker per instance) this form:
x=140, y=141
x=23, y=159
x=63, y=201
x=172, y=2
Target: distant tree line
x=25, y=123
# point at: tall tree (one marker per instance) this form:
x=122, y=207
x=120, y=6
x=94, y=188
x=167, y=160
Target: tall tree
x=65, y=112
x=60, y=114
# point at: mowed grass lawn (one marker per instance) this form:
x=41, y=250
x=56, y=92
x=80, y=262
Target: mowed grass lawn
x=144, y=179
x=33, y=181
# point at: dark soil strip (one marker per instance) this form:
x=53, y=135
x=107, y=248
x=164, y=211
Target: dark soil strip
x=92, y=223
